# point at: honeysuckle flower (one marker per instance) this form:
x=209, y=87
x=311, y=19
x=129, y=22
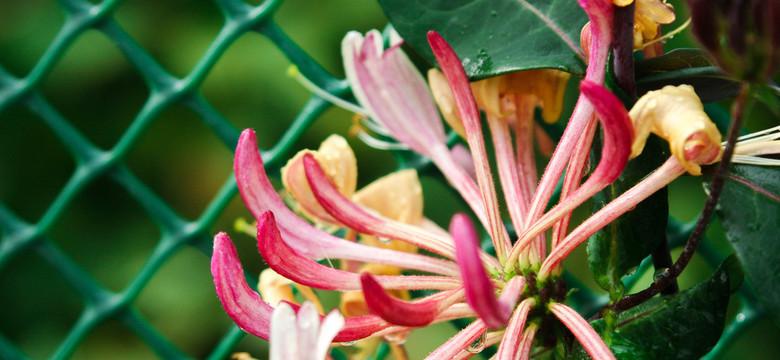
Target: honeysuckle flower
x=511, y=298
x=648, y=14
x=694, y=141
x=301, y=336
x=337, y=158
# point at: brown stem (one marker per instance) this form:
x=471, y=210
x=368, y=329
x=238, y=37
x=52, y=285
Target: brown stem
x=716, y=186
x=662, y=259
x=623, y=49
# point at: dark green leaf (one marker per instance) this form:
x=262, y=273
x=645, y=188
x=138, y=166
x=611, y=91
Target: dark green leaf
x=685, y=66
x=620, y=246
x=750, y=212
x=495, y=36
x=685, y=325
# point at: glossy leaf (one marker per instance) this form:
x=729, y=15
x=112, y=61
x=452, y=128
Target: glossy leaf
x=685, y=66
x=750, y=213
x=620, y=246
x=493, y=37
x=685, y=325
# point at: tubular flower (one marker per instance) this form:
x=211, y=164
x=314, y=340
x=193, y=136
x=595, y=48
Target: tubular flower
x=676, y=114
x=648, y=14
x=514, y=295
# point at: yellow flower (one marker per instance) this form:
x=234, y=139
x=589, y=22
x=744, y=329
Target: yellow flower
x=676, y=114
x=648, y=14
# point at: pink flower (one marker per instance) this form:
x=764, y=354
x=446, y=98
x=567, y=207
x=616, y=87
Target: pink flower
x=508, y=294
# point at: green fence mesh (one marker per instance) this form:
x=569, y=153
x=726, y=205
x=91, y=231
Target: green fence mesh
x=93, y=163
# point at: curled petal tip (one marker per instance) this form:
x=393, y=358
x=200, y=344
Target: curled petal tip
x=480, y=292
x=392, y=310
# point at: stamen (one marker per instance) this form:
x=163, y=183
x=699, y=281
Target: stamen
x=768, y=134
x=293, y=72
x=379, y=144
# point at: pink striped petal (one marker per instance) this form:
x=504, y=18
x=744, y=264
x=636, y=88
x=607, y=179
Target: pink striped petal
x=467, y=106
x=510, y=347
x=289, y=263
x=618, y=137
x=480, y=292
x=252, y=314
x=459, y=342
x=260, y=196
x=354, y=217
x=584, y=333
x=241, y=303
x=405, y=313
x=394, y=92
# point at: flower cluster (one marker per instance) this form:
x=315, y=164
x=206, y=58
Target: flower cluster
x=515, y=296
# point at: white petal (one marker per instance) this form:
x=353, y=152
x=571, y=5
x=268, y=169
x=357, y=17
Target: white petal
x=331, y=325
x=283, y=340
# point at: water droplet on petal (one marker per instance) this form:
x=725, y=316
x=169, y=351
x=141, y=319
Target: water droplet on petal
x=348, y=343
x=479, y=345
x=397, y=338
x=384, y=240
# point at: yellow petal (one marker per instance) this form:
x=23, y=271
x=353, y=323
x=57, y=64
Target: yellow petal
x=275, y=288
x=442, y=94
x=622, y=3
x=337, y=160
x=547, y=85
x=677, y=115
x=648, y=14
x=396, y=196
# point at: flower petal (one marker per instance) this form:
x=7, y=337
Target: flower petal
x=467, y=107
x=260, y=196
x=618, y=136
x=329, y=328
x=390, y=86
x=510, y=347
x=241, y=303
x=405, y=313
x=284, y=333
x=459, y=342
x=584, y=333
x=351, y=215
x=289, y=263
x=480, y=292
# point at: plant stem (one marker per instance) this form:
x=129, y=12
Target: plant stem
x=623, y=49
x=662, y=259
x=716, y=186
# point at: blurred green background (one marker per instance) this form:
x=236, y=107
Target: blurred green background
x=107, y=233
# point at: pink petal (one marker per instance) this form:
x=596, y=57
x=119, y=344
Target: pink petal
x=260, y=196
x=241, y=303
x=480, y=292
x=353, y=216
x=467, y=106
x=289, y=263
x=584, y=333
x=459, y=342
x=404, y=313
x=252, y=314
x=600, y=13
x=389, y=85
x=510, y=347
x=618, y=136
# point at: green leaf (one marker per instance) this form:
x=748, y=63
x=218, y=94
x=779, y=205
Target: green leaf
x=750, y=212
x=494, y=37
x=620, y=246
x=685, y=325
x=685, y=66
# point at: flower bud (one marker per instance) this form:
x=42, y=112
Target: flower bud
x=337, y=160
x=676, y=114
